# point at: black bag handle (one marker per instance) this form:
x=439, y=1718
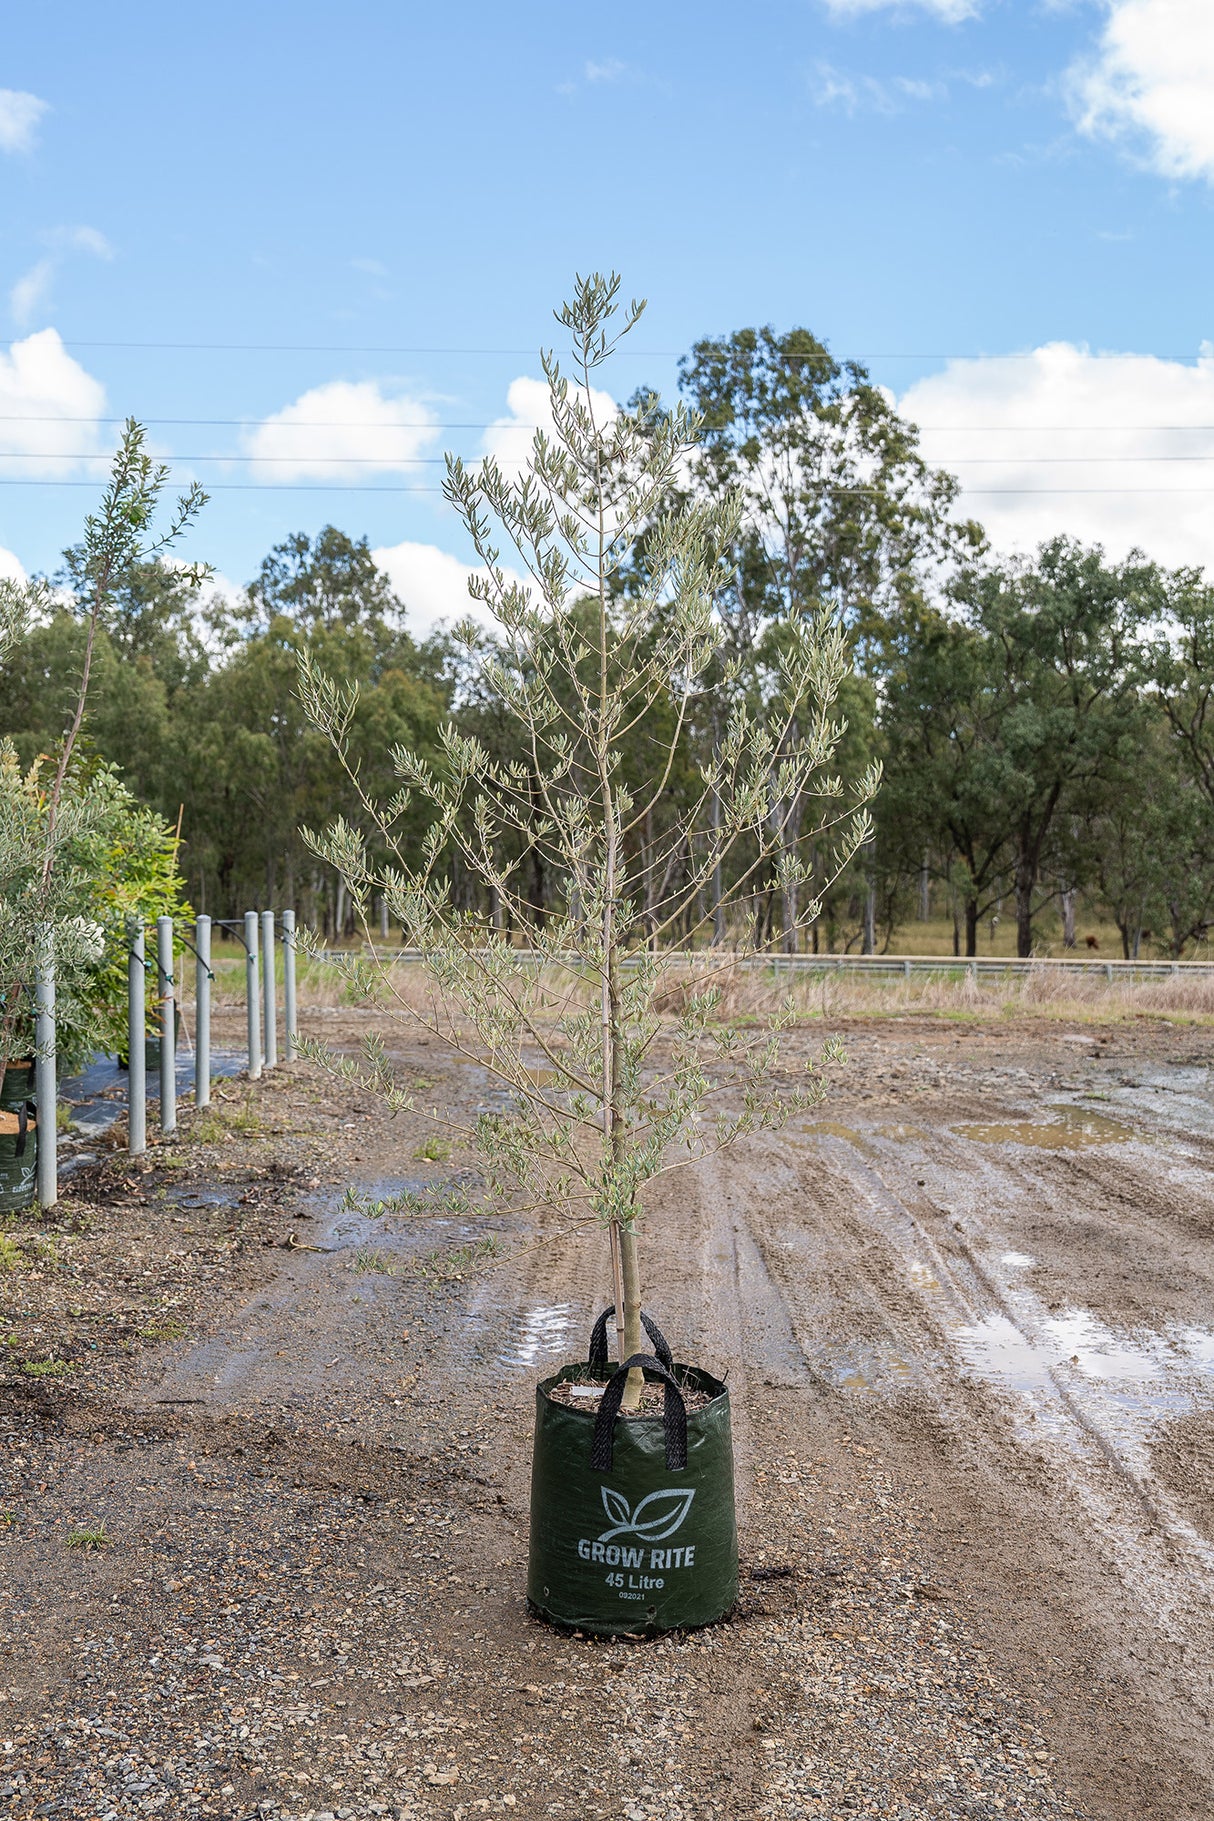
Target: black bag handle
x=674, y=1416
x=23, y=1117
x=596, y=1359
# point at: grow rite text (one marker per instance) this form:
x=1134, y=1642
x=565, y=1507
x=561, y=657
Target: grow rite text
x=617, y=1556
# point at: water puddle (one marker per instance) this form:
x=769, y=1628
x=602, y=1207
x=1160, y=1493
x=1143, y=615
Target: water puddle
x=541, y=1332
x=1068, y=1129
x=868, y=1370
x=1153, y=1366
x=1017, y=1261
x=205, y=1198
x=826, y=1128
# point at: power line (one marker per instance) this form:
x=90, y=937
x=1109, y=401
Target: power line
x=360, y=461
x=240, y=486
x=436, y=461
x=369, y=487
x=531, y=353
x=497, y=423
x=253, y=423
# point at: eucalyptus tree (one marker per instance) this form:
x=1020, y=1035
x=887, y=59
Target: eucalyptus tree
x=839, y=508
x=1063, y=634
x=253, y=768
x=950, y=782
x=1180, y=668
x=607, y=1092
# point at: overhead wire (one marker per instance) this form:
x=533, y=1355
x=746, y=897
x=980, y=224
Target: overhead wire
x=272, y=347
x=436, y=461
x=378, y=487
x=499, y=423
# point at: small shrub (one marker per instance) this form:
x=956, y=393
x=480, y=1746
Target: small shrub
x=365, y=1259
x=12, y=1258
x=449, y=1264
x=91, y=1536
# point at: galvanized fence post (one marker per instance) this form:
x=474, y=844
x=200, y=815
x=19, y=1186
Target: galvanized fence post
x=289, y=1026
x=166, y=988
x=252, y=994
x=202, y=1012
x=45, y=1086
x=136, y=1044
x=269, y=981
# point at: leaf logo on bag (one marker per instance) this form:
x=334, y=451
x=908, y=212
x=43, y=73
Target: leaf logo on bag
x=656, y=1517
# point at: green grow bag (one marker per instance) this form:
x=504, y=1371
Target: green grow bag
x=18, y=1083
x=18, y=1156
x=632, y=1518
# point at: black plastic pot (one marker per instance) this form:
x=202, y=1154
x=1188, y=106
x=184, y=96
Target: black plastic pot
x=632, y=1518
x=18, y=1156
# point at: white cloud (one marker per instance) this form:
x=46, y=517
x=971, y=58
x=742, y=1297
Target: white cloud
x=80, y=240
x=32, y=290
x=609, y=70
x=835, y=87
x=19, y=116
x=1151, y=84
x=342, y=431
x=509, y=438
x=433, y=585
x=1062, y=440
x=50, y=409
x=952, y=12
x=11, y=567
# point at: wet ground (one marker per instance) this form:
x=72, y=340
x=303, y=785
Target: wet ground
x=100, y=1094
x=967, y=1316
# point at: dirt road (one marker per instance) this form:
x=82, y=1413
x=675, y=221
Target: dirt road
x=967, y=1319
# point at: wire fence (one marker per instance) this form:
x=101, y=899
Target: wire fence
x=880, y=967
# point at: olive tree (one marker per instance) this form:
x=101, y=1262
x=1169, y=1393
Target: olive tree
x=57, y=821
x=609, y=1030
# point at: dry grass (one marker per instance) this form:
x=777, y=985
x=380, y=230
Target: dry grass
x=752, y=992
x=1044, y=993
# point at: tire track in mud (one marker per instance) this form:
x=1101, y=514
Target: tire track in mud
x=895, y=1264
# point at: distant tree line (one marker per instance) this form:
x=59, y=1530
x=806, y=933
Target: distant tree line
x=1045, y=724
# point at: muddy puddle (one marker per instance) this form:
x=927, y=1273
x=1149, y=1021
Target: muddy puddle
x=541, y=1335
x=331, y=1309
x=1160, y=1371
x=1066, y=1129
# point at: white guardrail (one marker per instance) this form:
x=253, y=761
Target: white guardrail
x=885, y=967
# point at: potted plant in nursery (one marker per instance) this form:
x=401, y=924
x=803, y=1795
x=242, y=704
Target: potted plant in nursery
x=659, y=791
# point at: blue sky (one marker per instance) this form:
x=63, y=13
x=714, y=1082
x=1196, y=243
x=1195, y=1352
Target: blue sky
x=369, y=212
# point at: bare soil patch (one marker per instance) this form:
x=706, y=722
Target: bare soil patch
x=968, y=1585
